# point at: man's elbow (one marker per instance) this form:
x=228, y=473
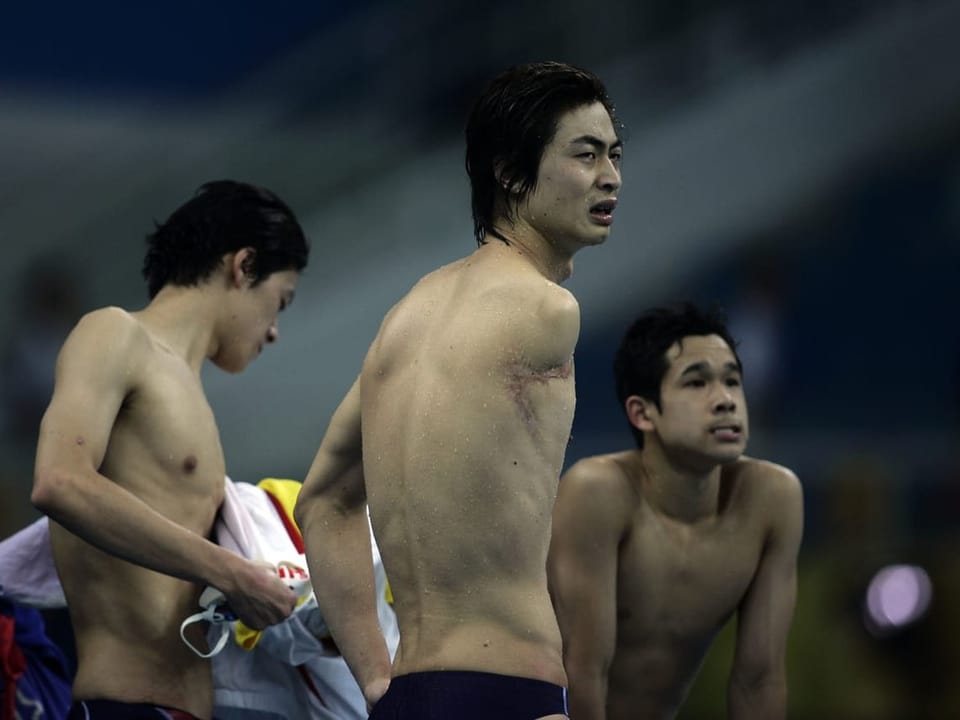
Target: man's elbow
x=309, y=504
x=50, y=486
x=760, y=686
x=301, y=510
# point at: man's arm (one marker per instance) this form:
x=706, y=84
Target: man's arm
x=332, y=514
x=94, y=372
x=758, y=681
x=582, y=567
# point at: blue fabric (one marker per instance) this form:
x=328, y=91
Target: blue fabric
x=468, y=695
x=44, y=689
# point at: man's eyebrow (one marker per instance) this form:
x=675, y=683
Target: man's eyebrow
x=596, y=142
x=699, y=367
x=696, y=367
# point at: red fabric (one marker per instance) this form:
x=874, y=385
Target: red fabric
x=12, y=665
x=292, y=530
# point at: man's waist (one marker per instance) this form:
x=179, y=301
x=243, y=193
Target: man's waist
x=480, y=641
x=132, y=679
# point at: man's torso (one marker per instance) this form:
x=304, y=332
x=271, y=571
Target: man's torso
x=677, y=584
x=164, y=448
x=467, y=403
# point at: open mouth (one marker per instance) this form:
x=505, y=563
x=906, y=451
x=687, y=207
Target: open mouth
x=727, y=431
x=602, y=212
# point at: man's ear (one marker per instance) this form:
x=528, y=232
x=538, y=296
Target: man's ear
x=509, y=187
x=240, y=266
x=641, y=413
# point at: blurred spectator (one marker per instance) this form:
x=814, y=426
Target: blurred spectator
x=45, y=304
x=755, y=319
x=48, y=306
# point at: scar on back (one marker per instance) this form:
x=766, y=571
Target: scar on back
x=523, y=375
x=80, y=440
x=561, y=372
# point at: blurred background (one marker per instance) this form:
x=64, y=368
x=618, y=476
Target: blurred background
x=797, y=163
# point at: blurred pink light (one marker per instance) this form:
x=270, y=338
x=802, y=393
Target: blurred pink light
x=897, y=596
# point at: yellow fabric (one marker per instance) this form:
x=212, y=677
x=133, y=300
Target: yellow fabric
x=246, y=638
x=286, y=493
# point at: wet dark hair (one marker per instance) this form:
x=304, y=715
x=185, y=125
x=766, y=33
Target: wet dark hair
x=224, y=216
x=641, y=363
x=510, y=125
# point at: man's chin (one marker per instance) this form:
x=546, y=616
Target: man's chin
x=231, y=365
x=730, y=455
x=597, y=238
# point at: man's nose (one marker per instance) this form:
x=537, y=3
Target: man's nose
x=609, y=178
x=724, y=402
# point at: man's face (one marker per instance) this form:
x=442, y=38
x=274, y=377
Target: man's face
x=704, y=412
x=572, y=203
x=252, y=323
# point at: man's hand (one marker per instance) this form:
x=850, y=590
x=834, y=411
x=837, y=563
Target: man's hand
x=259, y=598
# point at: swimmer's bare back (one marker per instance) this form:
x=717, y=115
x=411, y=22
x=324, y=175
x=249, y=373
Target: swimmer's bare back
x=467, y=403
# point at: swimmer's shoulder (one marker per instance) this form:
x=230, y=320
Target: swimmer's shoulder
x=107, y=348
x=429, y=290
x=522, y=284
x=109, y=330
x=607, y=469
x=407, y=315
x=763, y=474
x=770, y=487
x=558, y=306
x=533, y=313
x=603, y=482
x=412, y=318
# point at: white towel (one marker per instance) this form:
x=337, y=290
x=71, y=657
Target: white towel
x=28, y=576
x=262, y=684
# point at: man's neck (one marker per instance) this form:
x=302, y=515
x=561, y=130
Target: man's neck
x=551, y=262
x=676, y=490
x=182, y=319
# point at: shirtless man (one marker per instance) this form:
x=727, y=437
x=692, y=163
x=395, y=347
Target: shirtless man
x=466, y=399
x=655, y=548
x=129, y=465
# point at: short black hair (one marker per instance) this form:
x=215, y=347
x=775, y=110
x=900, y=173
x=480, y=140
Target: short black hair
x=641, y=363
x=224, y=216
x=510, y=125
